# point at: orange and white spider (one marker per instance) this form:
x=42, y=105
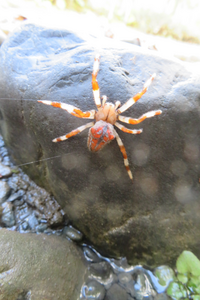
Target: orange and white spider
x=102, y=130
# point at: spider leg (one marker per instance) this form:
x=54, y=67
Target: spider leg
x=73, y=132
x=149, y=114
x=134, y=99
x=117, y=104
x=104, y=99
x=71, y=109
x=123, y=151
x=95, y=86
x=124, y=129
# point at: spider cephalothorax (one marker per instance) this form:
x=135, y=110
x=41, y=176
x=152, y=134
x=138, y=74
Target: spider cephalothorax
x=102, y=130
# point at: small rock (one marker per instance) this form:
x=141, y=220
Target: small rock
x=13, y=182
x=102, y=272
x=3, y=151
x=25, y=226
x=164, y=274
x=4, y=191
x=32, y=221
x=48, y=231
x=41, y=227
x=29, y=199
x=47, y=267
x=143, y=288
x=41, y=220
x=1, y=142
x=90, y=255
x=162, y=296
x=93, y=290
x=56, y=219
x=16, y=196
x=116, y=293
x=57, y=232
x=130, y=288
x=72, y=233
x=8, y=217
x=18, y=202
x=101, y=269
x=22, y=212
x=5, y=171
x=6, y=160
x=17, y=183
x=124, y=278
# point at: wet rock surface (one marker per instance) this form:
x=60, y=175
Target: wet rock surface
x=39, y=267
x=4, y=191
x=144, y=220
x=50, y=267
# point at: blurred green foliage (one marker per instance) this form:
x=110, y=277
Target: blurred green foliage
x=77, y=5
x=187, y=281
x=178, y=19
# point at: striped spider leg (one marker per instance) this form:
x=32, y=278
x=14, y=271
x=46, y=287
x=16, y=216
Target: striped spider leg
x=132, y=101
x=75, y=112
x=95, y=85
x=128, y=120
x=102, y=128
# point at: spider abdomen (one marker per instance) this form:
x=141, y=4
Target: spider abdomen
x=100, y=135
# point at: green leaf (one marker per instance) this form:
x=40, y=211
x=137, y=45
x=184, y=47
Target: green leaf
x=195, y=280
x=187, y=262
x=176, y=290
x=182, y=278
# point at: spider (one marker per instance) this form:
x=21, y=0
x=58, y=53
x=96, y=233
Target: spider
x=102, y=130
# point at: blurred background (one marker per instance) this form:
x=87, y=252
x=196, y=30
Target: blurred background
x=169, y=26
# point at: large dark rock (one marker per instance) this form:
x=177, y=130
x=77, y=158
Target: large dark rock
x=156, y=217
x=45, y=267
